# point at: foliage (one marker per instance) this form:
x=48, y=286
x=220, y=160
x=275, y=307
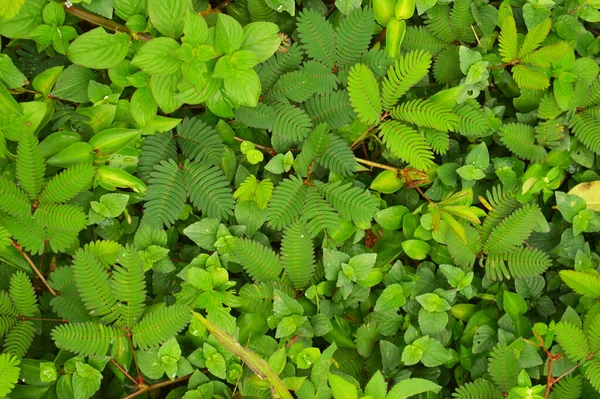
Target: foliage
x=311, y=199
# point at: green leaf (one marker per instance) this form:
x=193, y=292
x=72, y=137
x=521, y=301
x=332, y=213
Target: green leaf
x=412, y=386
x=86, y=381
x=514, y=305
x=229, y=34
x=72, y=84
x=155, y=56
x=215, y=363
x=243, y=86
x=99, y=50
x=282, y=5
x=590, y=192
x=168, y=16
x=342, y=389
x=584, y=284
x=392, y=298
x=9, y=74
x=364, y=94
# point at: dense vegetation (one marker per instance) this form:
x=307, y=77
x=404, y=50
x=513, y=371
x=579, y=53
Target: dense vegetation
x=270, y=198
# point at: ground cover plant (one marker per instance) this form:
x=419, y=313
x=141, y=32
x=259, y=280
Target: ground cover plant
x=269, y=198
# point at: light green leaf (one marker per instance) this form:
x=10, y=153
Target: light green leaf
x=155, y=57
x=168, y=16
x=98, y=49
x=229, y=34
x=341, y=388
x=243, y=86
x=412, y=386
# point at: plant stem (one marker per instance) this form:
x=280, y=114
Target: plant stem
x=268, y=150
x=148, y=388
x=122, y=370
x=361, y=137
x=376, y=165
x=24, y=318
x=34, y=267
x=137, y=368
x=106, y=23
x=256, y=363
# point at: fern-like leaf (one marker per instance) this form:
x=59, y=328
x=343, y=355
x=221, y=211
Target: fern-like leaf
x=28, y=234
x=30, y=165
x=286, y=203
x=208, y=190
x=508, y=41
x=297, y=254
x=503, y=205
x=9, y=373
x=313, y=147
x=291, y=123
x=535, y=37
x=158, y=326
x=87, y=339
x=322, y=76
x=421, y=38
x=568, y=387
x=6, y=305
x=94, y=287
x=22, y=294
x=438, y=23
x=297, y=86
x=19, y=339
x=520, y=139
x=472, y=121
x=200, y=142
x=13, y=200
x=479, y=389
x=446, y=68
x=572, y=340
x=68, y=304
x=166, y=193
x=353, y=35
x=528, y=262
x=317, y=213
x=64, y=217
x=158, y=147
x=260, y=117
x=105, y=251
x=280, y=63
x=259, y=261
x=528, y=78
x=586, y=129
x=338, y=157
x=317, y=36
x=545, y=56
x=407, y=144
x=128, y=284
x=461, y=19
x=438, y=141
x=513, y=231
x=68, y=183
x=364, y=94
x=351, y=202
x=503, y=367
x=427, y=114
x=408, y=70
x=592, y=373
x=332, y=108
x=587, y=285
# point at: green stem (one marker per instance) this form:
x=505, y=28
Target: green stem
x=34, y=268
x=152, y=387
x=106, y=23
x=257, y=364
